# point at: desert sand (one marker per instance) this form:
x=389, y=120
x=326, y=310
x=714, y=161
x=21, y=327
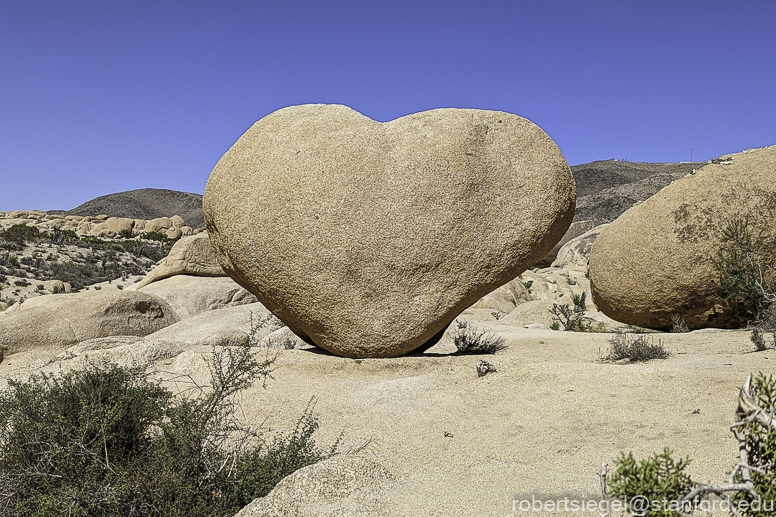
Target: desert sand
x=541, y=426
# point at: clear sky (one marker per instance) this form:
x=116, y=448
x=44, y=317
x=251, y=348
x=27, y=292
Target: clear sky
x=98, y=97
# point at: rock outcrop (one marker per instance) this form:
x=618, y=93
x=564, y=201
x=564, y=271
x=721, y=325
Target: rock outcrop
x=220, y=327
x=653, y=262
x=58, y=321
x=190, y=295
x=575, y=254
x=505, y=298
x=97, y=226
x=342, y=485
x=189, y=256
x=371, y=237
x=576, y=229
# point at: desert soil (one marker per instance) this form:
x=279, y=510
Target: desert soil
x=541, y=426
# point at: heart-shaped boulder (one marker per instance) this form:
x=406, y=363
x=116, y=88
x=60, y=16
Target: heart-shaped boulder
x=369, y=237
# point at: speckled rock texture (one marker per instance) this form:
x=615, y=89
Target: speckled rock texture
x=653, y=261
x=339, y=486
x=371, y=237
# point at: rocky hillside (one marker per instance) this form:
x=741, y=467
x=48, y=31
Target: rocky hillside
x=605, y=189
x=147, y=203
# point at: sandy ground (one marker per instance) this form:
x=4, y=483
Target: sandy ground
x=541, y=426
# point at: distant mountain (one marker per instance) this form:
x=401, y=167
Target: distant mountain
x=606, y=189
x=146, y=203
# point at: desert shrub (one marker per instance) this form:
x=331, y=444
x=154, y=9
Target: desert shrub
x=21, y=283
x=77, y=275
x=679, y=325
x=745, y=265
x=20, y=234
x=751, y=488
x=107, y=440
x=573, y=318
x=565, y=316
x=13, y=260
x=655, y=478
x=125, y=234
x=469, y=340
x=579, y=301
x=59, y=236
x=93, y=271
x=155, y=236
x=634, y=348
x=763, y=330
x=759, y=438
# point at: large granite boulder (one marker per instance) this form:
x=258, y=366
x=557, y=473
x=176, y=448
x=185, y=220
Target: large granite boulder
x=653, y=262
x=371, y=237
x=113, y=226
x=189, y=256
x=61, y=320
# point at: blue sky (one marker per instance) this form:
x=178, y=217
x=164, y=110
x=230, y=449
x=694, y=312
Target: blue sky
x=104, y=96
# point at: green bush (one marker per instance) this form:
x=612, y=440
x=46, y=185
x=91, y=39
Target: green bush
x=751, y=490
x=579, y=301
x=656, y=478
x=69, y=235
x=679, y=325
x=760, y=443
x=573, y=318
x=109, y=441
x=155, y=236
x=20, y=234
x=623, y=346
x=745, y=265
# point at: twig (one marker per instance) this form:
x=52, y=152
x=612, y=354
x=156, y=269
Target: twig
x=604, y=489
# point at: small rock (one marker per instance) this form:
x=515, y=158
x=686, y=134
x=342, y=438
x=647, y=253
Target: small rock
x=484, y=367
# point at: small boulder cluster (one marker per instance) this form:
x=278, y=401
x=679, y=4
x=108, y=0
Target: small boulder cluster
x=103, y=226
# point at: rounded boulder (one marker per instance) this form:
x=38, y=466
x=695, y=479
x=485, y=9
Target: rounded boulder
x=369, y=237
x=653, y=263
x=61, y=320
